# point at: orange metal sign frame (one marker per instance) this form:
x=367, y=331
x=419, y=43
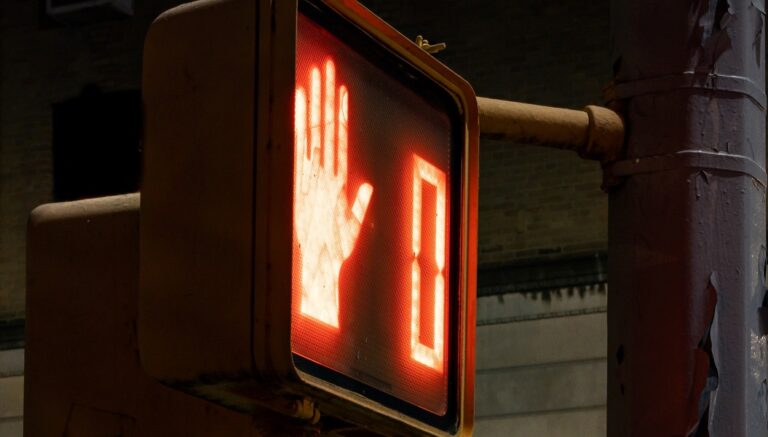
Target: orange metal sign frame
x=198, y=298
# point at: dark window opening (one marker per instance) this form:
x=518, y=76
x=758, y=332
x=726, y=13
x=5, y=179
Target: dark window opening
x=96, y=144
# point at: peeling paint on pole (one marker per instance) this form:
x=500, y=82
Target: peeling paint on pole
x=687, y=315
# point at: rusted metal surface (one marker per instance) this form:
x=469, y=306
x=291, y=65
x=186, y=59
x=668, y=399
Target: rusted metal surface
x=606, y=134
x=687, y=350
x=82, y=370
x=594, y=133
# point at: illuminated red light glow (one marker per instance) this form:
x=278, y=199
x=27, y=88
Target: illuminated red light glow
x=371, y=217
x=432, y=357
x=326, y=228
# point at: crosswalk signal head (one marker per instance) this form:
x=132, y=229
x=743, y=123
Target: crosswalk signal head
x=309, y=215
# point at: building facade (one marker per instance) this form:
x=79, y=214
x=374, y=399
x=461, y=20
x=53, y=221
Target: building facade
x=70, y=87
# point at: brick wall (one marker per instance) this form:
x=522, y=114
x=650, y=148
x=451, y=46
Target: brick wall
x=41, y=63
x=534, y=203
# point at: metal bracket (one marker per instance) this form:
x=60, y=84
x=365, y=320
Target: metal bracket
x=689, y=159
x=304, y=409
x=695, y=80
x=594, y=132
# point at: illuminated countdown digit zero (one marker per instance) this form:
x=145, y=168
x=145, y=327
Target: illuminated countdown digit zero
x=433, y=357
x=374, y=154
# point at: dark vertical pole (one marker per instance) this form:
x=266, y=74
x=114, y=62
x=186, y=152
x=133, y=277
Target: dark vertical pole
x=687, y=350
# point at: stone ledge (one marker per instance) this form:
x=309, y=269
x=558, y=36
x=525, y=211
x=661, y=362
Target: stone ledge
x=11, y=397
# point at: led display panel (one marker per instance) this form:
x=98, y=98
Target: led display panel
x=327, y=168
x=376, y=214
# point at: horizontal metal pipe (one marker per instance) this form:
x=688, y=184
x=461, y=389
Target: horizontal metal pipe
x=595, y=132
x=525, y=123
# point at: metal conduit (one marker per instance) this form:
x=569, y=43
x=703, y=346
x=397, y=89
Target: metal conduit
x=594, y=133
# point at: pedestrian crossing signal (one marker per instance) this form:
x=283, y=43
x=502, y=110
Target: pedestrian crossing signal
x=309, y=215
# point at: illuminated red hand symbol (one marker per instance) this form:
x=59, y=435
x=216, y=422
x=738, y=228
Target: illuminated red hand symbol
x=326, y=227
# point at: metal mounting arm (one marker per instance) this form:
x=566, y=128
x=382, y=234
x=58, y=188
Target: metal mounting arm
x=594, y=132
